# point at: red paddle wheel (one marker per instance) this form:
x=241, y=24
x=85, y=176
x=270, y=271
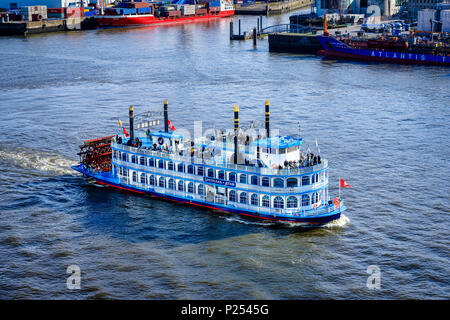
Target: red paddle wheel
x=95, y=154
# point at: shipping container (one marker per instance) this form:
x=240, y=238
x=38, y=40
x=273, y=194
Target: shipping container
x=74, y=12
x=172, y=14
x=91, y=13
x=127, y=11
x=55, y=10
x=28, y=11
x=144, y=10
x=187, y=10
x=201, y=11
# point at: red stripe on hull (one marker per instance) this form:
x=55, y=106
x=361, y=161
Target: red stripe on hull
x=127, y=21
x=344, y=55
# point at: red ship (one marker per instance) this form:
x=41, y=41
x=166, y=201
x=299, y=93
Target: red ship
x=148, y=13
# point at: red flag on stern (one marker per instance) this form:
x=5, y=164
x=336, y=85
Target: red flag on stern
x=171, y=126
x=344, y=184
x=126, y=133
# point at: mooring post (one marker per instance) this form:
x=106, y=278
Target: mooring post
x=239, y=26
x=231, y=30
x=260, y=24
x=254, y=37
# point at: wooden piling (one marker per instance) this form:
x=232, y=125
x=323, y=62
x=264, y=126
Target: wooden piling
x=231, y=30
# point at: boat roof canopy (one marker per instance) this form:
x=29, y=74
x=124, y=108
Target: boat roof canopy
x=168, y=135
x=278, y=142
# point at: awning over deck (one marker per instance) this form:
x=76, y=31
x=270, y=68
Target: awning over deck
x=278, y=142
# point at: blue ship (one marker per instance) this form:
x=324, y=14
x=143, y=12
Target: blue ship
x=333, y=48
x=260, y=176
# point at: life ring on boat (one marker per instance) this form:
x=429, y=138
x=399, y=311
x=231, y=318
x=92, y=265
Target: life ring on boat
x=336, y=202
x=160, y=140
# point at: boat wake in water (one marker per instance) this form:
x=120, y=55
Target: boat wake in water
x=27, y=158
x=241, y=220
x=339, y=223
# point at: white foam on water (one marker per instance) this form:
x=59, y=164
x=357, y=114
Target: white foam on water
x=339, y=223
x=238, y=219
x=43, y=161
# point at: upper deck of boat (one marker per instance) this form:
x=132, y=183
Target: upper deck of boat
x=218, y=162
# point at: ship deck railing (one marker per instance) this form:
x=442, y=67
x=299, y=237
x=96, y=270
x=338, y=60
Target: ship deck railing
x=307, y=188
x=220, y=164
x=302, y=211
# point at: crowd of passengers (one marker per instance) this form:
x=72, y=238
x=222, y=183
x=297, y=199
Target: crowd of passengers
x=310, y=160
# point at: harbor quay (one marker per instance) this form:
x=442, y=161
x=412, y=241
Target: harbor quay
x=270, y=7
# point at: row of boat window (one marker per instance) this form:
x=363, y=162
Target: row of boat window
x=243, y=197
x=221, y=174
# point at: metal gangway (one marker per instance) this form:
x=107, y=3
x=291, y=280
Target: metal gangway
x=285, y=28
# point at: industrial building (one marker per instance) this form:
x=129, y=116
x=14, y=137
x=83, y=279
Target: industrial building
x=436, y=20
x=14, y=4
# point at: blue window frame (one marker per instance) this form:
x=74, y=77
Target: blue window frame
x=161, y=164
x=181, y=185
x=133, y=159
x=170, y=166
x=255, y=199
x=190, y=169
x=243, y=197
x=124, y=156
x=266, y=201
x=265, y=181
x=162, y=182
x=142, y=161
x=292, y=202
x=254, y=180
x=151, y=162
x=171, y=184
x=305, y=200
x=190, y=187
x=278, y=183
x=221, y=175
x=232, y=196
x=232, y=176
x=242, y=178
x=292, y=182
x=134, y=176
x=152, y=180
x=180, y=167
x=200, y=171
x=143, y=178
x=306, y=181
x=315, y=197
x=278, y=202
x=211, y=173
x=201, y=189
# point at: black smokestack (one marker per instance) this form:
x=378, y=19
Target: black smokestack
x=131, y=123
x=236, y=127
x=166, y=116
x=267, y=119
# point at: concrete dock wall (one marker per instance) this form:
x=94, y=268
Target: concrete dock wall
x=272, y=7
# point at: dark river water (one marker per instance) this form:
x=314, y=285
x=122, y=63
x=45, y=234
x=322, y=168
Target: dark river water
x=384, y=129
